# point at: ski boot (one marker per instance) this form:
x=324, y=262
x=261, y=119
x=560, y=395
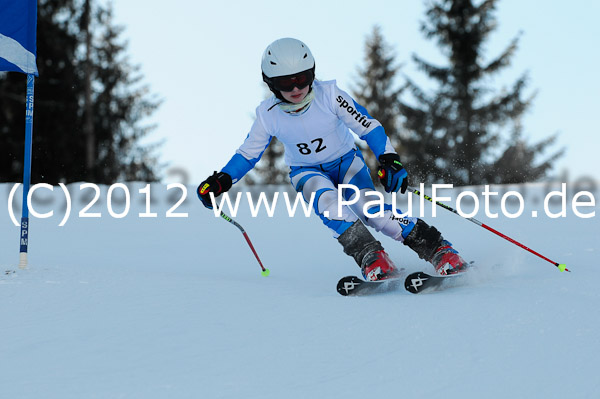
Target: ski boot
x=446, y=260
x=429, y=244
x=378, y=266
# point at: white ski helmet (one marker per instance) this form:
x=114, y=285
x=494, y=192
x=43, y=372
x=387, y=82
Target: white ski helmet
x=286, y=57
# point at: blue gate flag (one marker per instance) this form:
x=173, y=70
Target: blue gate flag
x=18, y=20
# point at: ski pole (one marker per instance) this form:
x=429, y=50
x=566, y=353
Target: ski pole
x=561, y=266
x=265, y=272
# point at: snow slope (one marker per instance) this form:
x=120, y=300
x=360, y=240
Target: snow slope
x=177, y=308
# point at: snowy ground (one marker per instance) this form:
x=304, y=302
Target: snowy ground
x=177, y=308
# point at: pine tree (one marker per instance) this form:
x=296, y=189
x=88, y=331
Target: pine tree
x=455, y=133
x=376, y=91
x=65, y=149
x=517, y=162
x=120, y=103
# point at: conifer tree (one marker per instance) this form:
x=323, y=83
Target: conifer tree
x=376, y=91
x=65, y=148
x=455, y=134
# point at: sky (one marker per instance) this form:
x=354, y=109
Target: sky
x=203, y=60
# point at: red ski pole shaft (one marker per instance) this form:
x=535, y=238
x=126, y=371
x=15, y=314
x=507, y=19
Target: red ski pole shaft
x=265, y=271
x=561, y=266
x=524, y=247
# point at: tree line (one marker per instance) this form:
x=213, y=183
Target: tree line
x=464, y=132
x=90, y=102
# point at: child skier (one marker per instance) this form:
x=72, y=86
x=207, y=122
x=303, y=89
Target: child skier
x=311, y=118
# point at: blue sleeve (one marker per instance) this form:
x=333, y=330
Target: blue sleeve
x=238, y=165
x=378, y=141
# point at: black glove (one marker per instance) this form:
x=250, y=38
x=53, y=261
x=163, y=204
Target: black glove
x=392, y=174
x=217, y=184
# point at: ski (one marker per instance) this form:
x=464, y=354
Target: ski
x=419, y=282
x=354, y=286
x=414, y=283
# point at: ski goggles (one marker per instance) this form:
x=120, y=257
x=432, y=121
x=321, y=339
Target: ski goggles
x=288, y=82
